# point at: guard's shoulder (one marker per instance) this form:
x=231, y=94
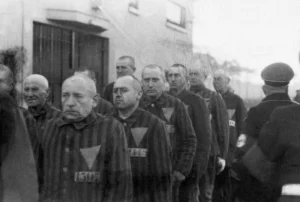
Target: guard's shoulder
x=287, y=113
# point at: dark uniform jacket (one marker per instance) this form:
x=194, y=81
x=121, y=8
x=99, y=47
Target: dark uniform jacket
x=31, y=127
x=183, y=140
x=43, y=114
x=275, y=158
x=86, y=161
x=236, y=113
x=150, y=153
x=201, y=122
x=108, y=92
x=104, y=107
x=219, y=120
x=260, y=114
x=257, y=116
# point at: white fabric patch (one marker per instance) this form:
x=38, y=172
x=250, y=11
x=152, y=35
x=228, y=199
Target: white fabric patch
x=232, y=123
x=90, y=154
x=138, y=152
x=241, y=141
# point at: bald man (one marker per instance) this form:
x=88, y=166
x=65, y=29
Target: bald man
x=36, y=92
x=148, y=142
x=85, y=155
x=125, y=65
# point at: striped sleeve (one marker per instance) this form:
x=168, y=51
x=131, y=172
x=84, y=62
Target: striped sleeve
x=119, y=187
x=220, y=115
x=160, y=159
x=187, y=148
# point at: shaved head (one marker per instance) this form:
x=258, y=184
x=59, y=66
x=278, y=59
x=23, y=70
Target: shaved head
x=37, y=79
x=133, y=81
x=83, y=81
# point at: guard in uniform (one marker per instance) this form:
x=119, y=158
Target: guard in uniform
x=177, y=79
x=275, y=159
x=236, y=113
x=148, y=142
x=174, y=113
x=219, y=129
x=276, y=77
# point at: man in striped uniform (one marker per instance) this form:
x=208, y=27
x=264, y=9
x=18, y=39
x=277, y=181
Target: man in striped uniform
x=85, y=155
x=237, y=114
x=220, y=131
x=148, y=142
x=35, y=92
x=173, y=112
x=104, y=107
x=177, y=78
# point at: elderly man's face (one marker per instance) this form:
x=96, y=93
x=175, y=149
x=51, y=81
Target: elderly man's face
x=124, y=93
x=5, y=85
x=196, y=77
x=35, y=94
x=77, y=100
x=124, y=67
x=152, y=82
x=221, y=83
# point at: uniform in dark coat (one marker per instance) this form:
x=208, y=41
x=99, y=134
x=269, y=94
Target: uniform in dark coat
x=201, y=122
x=150, y=153
x=275, y=159
x=256, y=118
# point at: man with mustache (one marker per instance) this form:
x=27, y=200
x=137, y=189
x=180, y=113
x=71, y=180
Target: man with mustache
x=177, y=79
x=148, y=141
x=85, y=154
x=36, y=91
x=125, y=66
x=173, y=112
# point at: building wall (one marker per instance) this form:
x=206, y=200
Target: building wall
x=144, y=36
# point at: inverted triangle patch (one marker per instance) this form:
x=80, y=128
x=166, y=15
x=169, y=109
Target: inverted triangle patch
x=138, y=134
x=230, y=113
x=168, y=112
x=90, y=154
x=207, y=102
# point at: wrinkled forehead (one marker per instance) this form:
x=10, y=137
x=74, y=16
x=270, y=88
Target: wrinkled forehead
x=124, y=62
x=75, y=86
x=34, y=83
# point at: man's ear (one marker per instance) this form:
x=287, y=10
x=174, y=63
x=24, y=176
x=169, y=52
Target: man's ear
x=47, y=92
x=96, y=100
x=139, y=94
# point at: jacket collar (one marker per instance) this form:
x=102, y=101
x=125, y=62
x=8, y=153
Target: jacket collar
x=131, y=119
x=160, y=101
x=91, y=118
x=197, y=88
x=277, y=96
x=39, y=111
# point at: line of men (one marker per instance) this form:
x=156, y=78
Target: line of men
x=149, y=144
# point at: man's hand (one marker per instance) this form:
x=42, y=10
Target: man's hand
x=221, y=165
x=177, y=176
